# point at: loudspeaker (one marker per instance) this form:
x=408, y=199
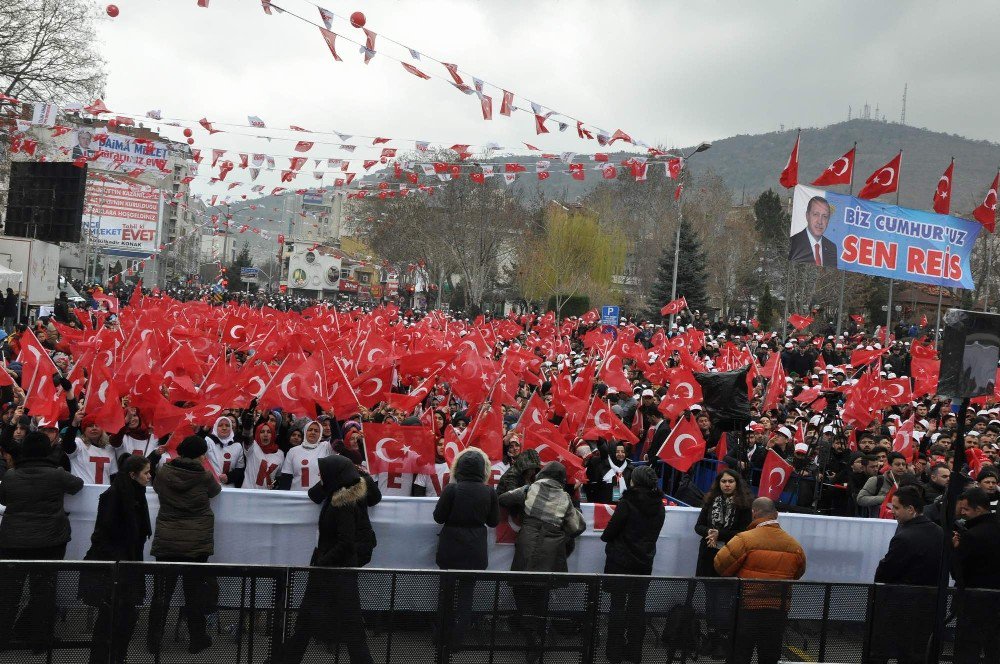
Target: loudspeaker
x=45, y=201
x=970, y=351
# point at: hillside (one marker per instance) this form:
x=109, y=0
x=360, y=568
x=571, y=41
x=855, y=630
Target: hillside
x=755, y=162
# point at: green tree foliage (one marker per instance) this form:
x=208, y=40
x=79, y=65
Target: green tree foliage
x=692, y=280
x=766, y=306
x=573, y=257
x=242, y=260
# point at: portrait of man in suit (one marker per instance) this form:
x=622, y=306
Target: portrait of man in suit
x=810, y=245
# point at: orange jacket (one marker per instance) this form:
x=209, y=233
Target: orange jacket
x=763, y=551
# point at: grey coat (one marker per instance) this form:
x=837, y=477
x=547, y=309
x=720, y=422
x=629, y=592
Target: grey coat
x=185, y=524
x=549, y=525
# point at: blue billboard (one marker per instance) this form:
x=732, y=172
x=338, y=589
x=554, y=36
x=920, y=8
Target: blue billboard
x=857, y=235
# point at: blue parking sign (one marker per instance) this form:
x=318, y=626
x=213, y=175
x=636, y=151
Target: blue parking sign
x=610, y=315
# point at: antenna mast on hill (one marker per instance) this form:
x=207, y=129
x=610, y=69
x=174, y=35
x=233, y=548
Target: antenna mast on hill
x=902, y=114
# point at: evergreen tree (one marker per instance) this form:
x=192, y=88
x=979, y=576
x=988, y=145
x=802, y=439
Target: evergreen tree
x=765, y=308
x=233, y=270
x=691, y=278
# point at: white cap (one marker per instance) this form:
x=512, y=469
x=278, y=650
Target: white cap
x=801, y=448
x=648, y=393
x=785, y=431
x=611, y=390
x=695, y=407
x=815, y=420
x=828, y=429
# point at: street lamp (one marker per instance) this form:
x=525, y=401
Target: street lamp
x=677, y=241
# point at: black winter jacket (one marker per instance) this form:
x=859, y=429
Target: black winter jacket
x=33, y=495
x=346, y=536
x=975, y=561
x=185, y=524
x=466, y=507
x=914, y=554
x=632, y=532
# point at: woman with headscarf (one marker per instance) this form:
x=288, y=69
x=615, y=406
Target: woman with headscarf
x=121, y=529
x=135, y=437
x=467, y=506
x=631, y=537
x=433, y=485
x=549, y=525
x=91, y=456
x=300, y=470
x=225, y=452
x=352, y=446
x=263, y=459
x=346, y=539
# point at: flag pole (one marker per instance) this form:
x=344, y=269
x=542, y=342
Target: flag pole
x=892, y=281
x=843, y=273
x=989, y=265
x=937, y=323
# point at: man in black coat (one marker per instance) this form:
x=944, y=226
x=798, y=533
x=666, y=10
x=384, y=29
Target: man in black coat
x=810, y=245
x=975, y=568
x=34, y=527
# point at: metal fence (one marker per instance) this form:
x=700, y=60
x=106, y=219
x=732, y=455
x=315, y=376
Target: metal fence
x=149, y=612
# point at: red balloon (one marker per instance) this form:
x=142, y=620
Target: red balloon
x=358, y=20
x=190, y=141
x=187, y=133
x=112, y=10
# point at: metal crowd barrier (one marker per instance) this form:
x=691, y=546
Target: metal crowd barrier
x=141, y=612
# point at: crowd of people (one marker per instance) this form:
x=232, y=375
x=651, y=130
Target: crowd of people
x=523, y=414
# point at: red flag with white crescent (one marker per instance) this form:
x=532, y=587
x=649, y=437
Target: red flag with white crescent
x=790, y=174
x=684, y=446
x=397, y=448
x=986, y=214
x=942, y=194
x=839, y=172
x=883, y=181
x=774, y=476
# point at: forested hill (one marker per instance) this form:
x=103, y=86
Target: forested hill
x=752, y=163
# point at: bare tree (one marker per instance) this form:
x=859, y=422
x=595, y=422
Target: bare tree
x=48, y=50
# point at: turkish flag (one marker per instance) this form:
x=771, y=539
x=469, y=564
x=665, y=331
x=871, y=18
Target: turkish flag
x=486, y=432
x=283, y=391
x=885, y=512
x=551, y=450
x=883, y=181
x=674, y=307
x=857, y=318
x=897, y=391
x=35, y=363
x=923, y=321
x=684, y=446
x=683, y=392
x=397, y=448
x=774, y=476
x=603, y=423
x=373, y=386
x=790, y=175
x=839, y=172
x=986, y=214
x=775, y=385
x=509, y=525
x=925, y=372
x=800, y=322
x=103, y=403
x=903, y=440
x=602, y=515
x=675, y=165
x=407, y=402
x=942, y=195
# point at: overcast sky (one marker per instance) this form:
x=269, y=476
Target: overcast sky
x=671, y=73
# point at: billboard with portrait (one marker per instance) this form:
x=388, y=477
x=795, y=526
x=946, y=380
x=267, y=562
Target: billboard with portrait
x=857, y=235
x=121, y=214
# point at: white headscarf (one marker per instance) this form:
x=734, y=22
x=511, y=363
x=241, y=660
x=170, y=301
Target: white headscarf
x=232, y=428
x=305, y=442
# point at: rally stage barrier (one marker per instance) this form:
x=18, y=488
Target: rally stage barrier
x=279, y=528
